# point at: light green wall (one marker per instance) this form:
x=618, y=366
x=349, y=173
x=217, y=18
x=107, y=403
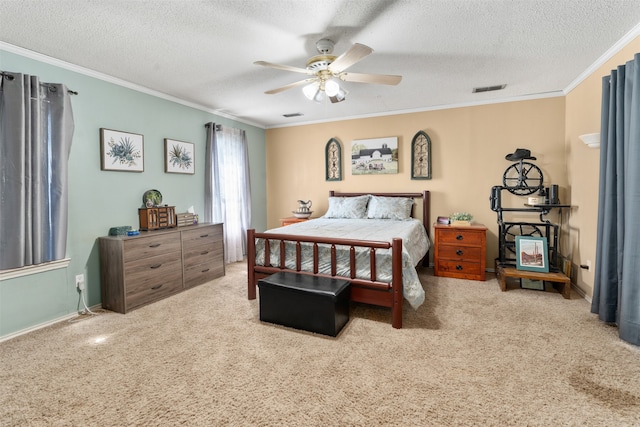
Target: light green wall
x=100, y=199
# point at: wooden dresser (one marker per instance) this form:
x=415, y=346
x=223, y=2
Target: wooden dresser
x=138, y=270
x=460, y=251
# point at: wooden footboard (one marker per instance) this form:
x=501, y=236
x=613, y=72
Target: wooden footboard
x=372, y=291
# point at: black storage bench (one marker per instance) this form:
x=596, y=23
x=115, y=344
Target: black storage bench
x=302, y=301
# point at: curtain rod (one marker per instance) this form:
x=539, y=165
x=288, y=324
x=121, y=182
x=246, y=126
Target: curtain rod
x=11, y=77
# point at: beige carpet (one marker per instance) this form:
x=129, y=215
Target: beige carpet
x=471, y=355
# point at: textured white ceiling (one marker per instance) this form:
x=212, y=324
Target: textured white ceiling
x=202, y=51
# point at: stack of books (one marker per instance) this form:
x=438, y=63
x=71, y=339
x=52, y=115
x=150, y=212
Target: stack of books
x=186, y=219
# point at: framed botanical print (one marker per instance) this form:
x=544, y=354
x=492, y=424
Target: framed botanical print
x=333, y=159
x=121, y=151
x=421, y=156
x=178, y=157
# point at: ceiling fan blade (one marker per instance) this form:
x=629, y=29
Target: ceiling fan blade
x=383, y=79
x=284, y=67
x=290, y=86
x=355, y=53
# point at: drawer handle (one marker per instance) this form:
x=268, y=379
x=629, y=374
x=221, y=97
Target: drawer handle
x=205, y=270
x=204, y=252
x=156, y=266
x=204, y=235
x=459, y=252
x=459, y=237
x=155, y=288
x=458, y=267
x=155, y=245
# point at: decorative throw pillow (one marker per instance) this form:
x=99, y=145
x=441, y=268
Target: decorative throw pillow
x=398, y=208
x=347, y=207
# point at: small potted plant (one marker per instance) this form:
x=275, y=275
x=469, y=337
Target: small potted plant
x=460, y=218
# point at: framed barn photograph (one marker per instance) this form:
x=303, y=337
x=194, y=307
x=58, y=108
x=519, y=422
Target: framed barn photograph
x=121, y=151
x=179, y=157
x=374, y=156
x=532, y=254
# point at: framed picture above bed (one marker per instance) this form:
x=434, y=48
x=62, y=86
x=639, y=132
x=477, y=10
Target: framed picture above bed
x=374, y=156
x=333, y=160
x=421, y=156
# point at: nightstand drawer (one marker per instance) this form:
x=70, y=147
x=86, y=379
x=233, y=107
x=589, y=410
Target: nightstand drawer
x=461, y=269
x=460, y=252
x=461, y=237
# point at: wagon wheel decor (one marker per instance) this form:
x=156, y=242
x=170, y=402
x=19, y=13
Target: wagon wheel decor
x=513, y=230
x=522, y=178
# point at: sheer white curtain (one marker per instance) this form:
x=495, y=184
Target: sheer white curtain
x=227, y=188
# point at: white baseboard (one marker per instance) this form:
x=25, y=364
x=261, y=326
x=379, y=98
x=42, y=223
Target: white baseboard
x=44, y=325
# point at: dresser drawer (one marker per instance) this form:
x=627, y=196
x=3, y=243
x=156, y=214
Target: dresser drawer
x=201, y=273
x=462, y=253
x=145, y=247
x=461, y=269
x=202, y=254
x=461, y=237
x=152, y=278
x=201, y=236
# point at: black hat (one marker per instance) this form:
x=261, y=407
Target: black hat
x=520, y=154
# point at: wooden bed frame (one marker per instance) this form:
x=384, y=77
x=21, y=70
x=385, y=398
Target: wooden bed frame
x=372, y=291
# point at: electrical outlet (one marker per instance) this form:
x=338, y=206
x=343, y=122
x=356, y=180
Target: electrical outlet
x=80, y=281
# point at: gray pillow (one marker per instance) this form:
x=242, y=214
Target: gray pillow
x=398, y=208
x=347, y=207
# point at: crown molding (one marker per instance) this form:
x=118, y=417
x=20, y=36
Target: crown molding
x=114, y=80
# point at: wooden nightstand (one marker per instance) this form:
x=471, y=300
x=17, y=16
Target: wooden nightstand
x=292, y=220
x=460, y=251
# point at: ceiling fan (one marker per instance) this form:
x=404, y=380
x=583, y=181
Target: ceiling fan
x=326, y=69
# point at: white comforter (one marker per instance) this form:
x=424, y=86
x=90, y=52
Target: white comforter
x=415, y=245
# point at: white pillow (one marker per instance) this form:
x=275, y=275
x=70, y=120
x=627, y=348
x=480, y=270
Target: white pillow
x=347, y=207
x=398, y=208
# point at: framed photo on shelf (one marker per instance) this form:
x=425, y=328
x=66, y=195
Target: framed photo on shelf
x=121, y=151
x=179, y=156
x=532, y=254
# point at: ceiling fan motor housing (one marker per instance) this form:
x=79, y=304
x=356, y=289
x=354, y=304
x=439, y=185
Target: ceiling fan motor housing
x=325, y=46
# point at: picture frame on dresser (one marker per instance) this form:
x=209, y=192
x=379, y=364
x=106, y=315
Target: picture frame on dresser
x=179, y=157
x=121, y=151
x=532, y=254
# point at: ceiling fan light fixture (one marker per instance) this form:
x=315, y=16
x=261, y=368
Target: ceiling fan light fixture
x=331, y=87
x=338, y=97
x=311, y=90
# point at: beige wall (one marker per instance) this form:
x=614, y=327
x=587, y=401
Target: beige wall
x=468, y=157
x=583, y=164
